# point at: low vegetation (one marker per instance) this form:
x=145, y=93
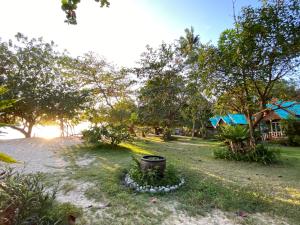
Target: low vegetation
x=110, y=133
x=292, y=129
x=261, y=154
x=152, y=177
x=25, y=200
x=236, y=139
x=263, y=193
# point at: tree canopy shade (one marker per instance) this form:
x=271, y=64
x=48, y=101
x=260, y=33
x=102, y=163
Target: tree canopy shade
x=70, y=6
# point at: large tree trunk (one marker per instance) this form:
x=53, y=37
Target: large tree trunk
x=252, y=141
x=26, y=132
x=62, y=127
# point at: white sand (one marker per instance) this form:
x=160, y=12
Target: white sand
x=37, y=154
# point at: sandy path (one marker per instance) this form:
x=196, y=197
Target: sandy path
x=37, y=154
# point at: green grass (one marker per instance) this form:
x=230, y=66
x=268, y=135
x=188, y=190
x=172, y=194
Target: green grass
x=210, y=183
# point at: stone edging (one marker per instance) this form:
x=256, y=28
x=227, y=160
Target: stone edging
x=129, y=182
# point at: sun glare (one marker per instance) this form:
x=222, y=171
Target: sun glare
x=47, y=132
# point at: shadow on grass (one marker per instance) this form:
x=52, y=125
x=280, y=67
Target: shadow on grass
x=201, y=193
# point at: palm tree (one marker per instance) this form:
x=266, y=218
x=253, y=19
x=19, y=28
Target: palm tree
x=190, y=42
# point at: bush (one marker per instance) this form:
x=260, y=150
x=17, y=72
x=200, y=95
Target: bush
x=167, y=134
x=110, y=133
x=92, y=135
x=25, y=201
x=236, y=137
x=261, y=154
x=152, y=177
x=292, y=130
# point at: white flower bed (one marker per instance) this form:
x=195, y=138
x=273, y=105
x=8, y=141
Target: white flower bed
x=129, y=182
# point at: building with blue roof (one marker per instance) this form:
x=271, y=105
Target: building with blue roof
x=269, y=125
x=230, y=119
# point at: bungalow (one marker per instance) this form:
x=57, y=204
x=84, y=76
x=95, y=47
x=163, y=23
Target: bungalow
x=270, y=118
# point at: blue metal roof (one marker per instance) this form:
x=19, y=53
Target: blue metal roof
x=234, y=119
x=238, y=119
x=289, y=108
x=214, y=120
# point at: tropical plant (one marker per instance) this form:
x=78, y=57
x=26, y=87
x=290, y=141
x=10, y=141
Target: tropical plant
x=236, y=137
x=261, y=154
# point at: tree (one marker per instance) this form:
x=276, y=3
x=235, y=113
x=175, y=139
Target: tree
x=42, y=80
x=69, y=99
x=263, y=48
x=70, y=6
x=107, y=83
x=161, y=97
x=196, y=107
x=29, y=77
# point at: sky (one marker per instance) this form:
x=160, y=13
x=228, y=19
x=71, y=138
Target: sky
x=121, y=32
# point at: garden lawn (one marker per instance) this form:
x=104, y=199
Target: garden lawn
x=245, y=193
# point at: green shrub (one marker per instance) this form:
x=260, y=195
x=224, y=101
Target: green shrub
x=261, y=154
x=110, y=133
x=151, y=177
x=291, y=127
x=92, y=135
x=167, y=134
x=25, y=201
x=116, y=134
x=236, y=137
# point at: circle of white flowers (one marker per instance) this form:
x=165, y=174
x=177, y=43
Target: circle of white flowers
x=129, y=182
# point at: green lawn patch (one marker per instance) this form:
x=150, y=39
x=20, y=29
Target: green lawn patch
x=210, y=183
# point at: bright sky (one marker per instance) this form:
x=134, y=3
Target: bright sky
x=120, y=32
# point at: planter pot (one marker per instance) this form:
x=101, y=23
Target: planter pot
x=153, y=162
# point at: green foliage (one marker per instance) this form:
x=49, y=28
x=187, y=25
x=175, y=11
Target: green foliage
x=292, y=130
x=39, y=77
x=92, y=135
x=161, y=96
x=237, y=133
x=4, y=104
x=261, y=154
x=6, y=158
x=167, y=134
x=25, y=200
x=235, y=137
x=70, y=6
x=152, y=177
x=244, y=67
x=114, y=134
